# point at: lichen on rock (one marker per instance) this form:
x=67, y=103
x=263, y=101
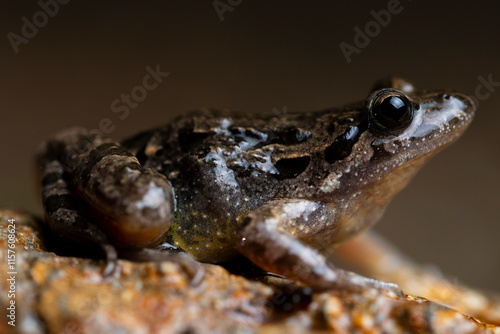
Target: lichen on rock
x=57, y=294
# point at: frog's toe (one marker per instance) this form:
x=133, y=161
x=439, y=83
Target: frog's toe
x=391, y=288
x=110, y=266
x=190, y=266
x=352, y=281
x=197, y=275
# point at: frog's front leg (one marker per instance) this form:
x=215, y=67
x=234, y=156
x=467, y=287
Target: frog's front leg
x=96, y=193
x=271, y=237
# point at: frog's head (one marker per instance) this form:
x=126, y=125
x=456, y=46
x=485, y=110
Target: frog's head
x=398, y=129
x=411, y=123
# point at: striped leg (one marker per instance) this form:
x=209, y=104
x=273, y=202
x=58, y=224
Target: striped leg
x=96, y=193
x=64, y=219
x=62, y=212
x=133, y=205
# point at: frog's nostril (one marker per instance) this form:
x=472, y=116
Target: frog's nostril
x=470, y=105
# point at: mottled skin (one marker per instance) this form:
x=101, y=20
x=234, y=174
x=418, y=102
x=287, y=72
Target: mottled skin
x=283, y=190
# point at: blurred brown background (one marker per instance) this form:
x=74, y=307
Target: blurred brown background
x=259, y=57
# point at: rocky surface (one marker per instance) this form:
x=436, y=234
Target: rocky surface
x=56, y=294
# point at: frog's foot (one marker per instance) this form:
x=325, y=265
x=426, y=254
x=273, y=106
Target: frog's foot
x=63, y=215
x=189, y=265
x=357, y=282
x=270, y=238
x=111, y=257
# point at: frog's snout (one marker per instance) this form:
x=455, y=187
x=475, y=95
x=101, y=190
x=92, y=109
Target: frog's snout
x=443, y=116
x=469, y=106
x=461, y=109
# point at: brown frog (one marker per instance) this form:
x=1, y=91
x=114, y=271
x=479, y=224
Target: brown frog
x=282, y=190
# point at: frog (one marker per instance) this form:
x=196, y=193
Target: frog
x=282, y=190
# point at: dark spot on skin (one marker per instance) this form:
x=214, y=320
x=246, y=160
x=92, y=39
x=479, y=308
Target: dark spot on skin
x=241, y=171
x=290, y=168
x=256, y=138
x=51, y=178
x=331, y=128
x=245, y=222
x=55, y=151
x=138, y=144
x=189, y=140
x=342, y=146
x=54, y=202
x=244, y=132
x=253, y=133
x=379, y=152
x=160, y=153
x=289, y=136
x=141, y=156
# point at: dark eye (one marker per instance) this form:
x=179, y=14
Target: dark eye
x=390, y=111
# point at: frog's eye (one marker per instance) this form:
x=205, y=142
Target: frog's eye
x=390, y=111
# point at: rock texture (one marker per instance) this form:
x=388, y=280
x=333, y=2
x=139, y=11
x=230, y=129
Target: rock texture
x=56, y=294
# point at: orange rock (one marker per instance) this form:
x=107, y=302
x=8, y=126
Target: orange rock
x=59, y=294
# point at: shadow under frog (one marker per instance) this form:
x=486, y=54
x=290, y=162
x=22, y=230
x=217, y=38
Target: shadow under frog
x=281, y=190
